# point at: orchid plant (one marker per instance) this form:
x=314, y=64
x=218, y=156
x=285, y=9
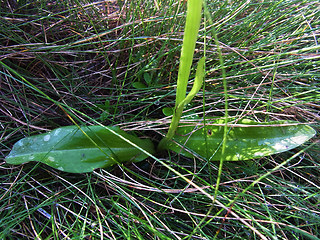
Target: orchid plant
x=79, y=149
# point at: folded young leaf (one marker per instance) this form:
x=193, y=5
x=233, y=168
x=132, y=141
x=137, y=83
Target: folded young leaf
x=246, y=139
x=78, y=150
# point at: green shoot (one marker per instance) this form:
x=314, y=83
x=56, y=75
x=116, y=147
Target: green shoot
x=191, y=30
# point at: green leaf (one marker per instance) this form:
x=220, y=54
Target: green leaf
x=78, y=150
x=196, y=85
x=139, y=85
x=105, y=106
x=246, y=139
x=147, y=78
x=167, y=111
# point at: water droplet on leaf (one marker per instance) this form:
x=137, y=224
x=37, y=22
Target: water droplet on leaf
x=46, y=138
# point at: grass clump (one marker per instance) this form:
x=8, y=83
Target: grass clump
x=89, y=57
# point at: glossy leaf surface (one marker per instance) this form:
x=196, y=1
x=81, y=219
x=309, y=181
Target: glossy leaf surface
x=246, y=139
x=75, y=150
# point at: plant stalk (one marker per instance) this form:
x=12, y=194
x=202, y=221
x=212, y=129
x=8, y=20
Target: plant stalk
x=193, y=19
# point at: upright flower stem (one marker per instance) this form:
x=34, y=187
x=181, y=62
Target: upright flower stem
x=194, y=8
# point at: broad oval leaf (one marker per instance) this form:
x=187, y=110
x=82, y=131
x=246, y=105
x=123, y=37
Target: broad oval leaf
x=245, y=140
x=78, y=150
x=167, y=111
